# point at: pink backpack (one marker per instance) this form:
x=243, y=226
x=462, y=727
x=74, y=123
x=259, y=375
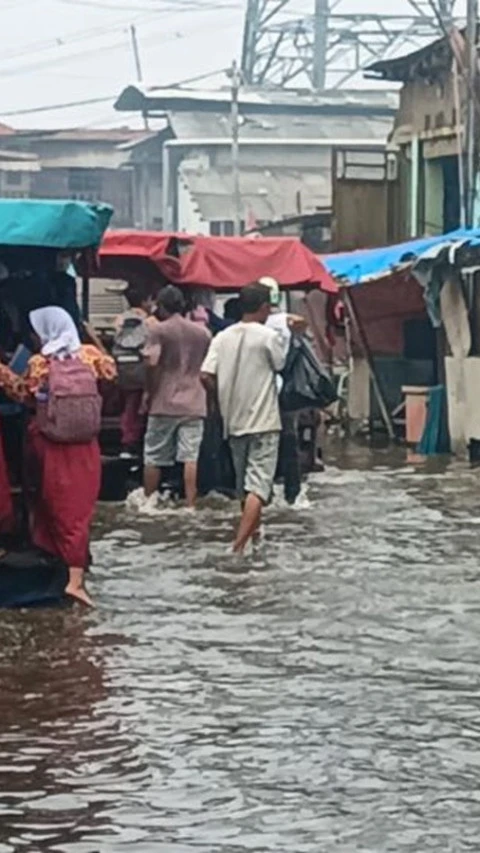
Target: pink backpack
x=72, y=412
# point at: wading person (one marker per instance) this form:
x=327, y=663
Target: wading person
x=240, y=370
x=175, y=397
x=286, y=324
x=63, y=455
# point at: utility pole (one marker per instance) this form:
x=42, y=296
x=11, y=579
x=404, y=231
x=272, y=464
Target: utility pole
x=471, y=125
x=235, y=126
x=320, y=44
x=138, y=64
x=140, y=183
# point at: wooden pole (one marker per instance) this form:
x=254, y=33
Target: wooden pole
x=235, y=127
x=85, y=298
x=472, y=16
x=352, y=310
x=461, y=162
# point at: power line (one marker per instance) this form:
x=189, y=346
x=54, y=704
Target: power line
x=96, y=32
x=53, y=107
x=190, y=7
x=117, y=45
x=62, y=41
x=101, y=100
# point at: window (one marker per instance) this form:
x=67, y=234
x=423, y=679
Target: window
x=224, y=228
x=15, y=194
x=14, y=179
x=84, y=183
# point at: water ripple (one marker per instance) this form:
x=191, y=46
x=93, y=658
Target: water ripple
x=322, y=695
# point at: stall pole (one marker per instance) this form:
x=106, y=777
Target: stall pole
x=470, y=137
x=414, y=185
x=352, y=310
x=85, y=298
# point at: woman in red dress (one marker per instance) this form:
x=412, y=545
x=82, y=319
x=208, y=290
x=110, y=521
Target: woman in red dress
x=7, y=522
x=68, y=475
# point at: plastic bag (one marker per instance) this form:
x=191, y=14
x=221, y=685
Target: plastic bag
x=215, y=466
x=306, y=382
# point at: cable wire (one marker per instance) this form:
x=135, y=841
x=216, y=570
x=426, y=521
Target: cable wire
x=101, y=100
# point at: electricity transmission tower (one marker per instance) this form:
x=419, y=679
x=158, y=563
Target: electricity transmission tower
x=329, y=46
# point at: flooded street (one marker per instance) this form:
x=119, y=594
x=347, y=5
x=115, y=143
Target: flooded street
x=321, y=695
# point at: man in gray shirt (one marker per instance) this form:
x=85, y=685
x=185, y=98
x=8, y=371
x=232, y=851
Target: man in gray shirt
x=240, y=369
x=175, y=396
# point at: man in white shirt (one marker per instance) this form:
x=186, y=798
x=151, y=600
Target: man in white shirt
x=241, y=369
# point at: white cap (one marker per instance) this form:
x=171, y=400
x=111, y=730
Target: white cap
x=274, y=288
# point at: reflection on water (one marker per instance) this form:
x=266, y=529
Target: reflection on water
x=321, y=696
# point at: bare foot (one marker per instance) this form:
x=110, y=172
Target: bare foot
x=79, y=594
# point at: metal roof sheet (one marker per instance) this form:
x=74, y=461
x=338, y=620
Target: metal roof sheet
x=197, y=124
x=140, y=96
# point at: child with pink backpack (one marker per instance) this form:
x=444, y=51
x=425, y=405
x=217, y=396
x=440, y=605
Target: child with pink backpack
x=60, y=384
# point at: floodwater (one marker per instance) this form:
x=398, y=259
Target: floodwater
x=322, y=695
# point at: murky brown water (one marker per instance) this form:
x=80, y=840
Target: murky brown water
x=322, y=696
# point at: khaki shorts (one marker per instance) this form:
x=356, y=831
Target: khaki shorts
x=255, y=460
x=170, y=440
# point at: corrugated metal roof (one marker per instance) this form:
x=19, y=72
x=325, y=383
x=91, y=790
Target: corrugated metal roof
x=14, y=161
x=433, y=57
x=116, y=136
x=19, y=156
x=137, y=96
x=202, y=125
x=269, y=194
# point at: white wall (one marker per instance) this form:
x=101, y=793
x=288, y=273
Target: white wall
x=189, y=218
x=79, y=155
x=463, y=382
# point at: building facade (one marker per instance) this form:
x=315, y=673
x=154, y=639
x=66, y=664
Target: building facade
x=285, y=150
x=428, y=134
x=121, y=167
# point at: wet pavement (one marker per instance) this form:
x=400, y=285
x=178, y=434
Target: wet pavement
x=321, y=695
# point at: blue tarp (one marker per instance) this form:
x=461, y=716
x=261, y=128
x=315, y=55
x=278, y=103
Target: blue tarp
x=53, y=224
x=369, y=264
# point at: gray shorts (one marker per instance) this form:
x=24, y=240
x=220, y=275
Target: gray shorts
x=255, y=460
x=170, y=440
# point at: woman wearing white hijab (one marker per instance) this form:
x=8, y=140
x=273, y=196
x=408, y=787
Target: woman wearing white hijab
x=69, y=475
x=56, y=330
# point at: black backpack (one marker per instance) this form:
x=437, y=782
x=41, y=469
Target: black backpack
x=306, y=382
x=127, y=351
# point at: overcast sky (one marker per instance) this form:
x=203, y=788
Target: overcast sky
x=57, y=51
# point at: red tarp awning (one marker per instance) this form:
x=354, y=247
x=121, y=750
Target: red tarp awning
x=222, y=263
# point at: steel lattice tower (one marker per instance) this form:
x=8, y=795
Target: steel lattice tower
x=328, y=46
